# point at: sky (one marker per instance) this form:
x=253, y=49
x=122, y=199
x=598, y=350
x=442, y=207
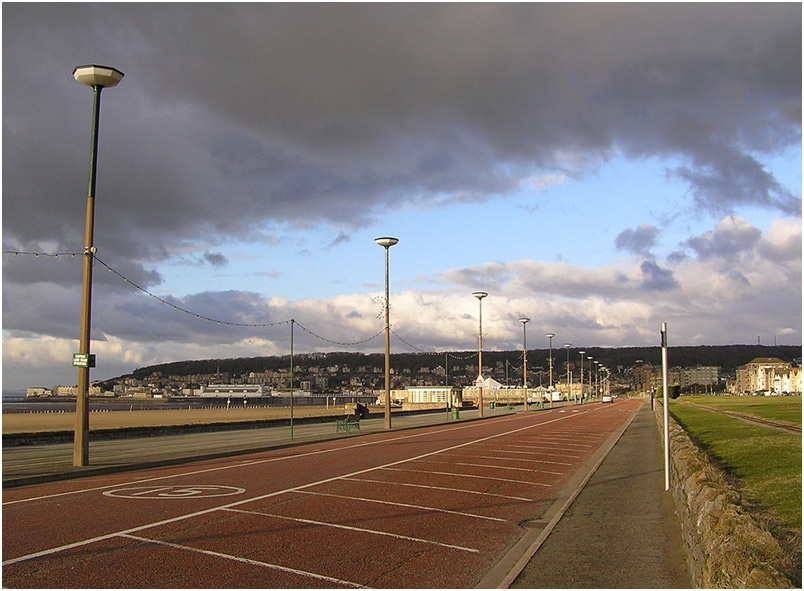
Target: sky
x=598, y=168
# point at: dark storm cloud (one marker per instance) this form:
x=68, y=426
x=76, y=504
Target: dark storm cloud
x=638, y=241
x=127, y=316
x=231, y=116
x=655, y=278
x=215, y=259
x=729, y=239
x=341, y=238
x=233, y=120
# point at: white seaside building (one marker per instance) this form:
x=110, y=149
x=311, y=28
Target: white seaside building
x=233, y=390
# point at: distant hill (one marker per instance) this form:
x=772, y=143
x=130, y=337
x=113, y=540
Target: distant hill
x=728, y=357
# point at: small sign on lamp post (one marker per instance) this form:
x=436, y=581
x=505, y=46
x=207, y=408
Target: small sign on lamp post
x=83, y=360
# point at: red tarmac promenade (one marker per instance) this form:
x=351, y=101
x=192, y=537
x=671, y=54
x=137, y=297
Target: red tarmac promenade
x=454, y=505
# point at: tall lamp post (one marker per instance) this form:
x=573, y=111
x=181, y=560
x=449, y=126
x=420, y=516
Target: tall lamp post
x=550, y=336
x=591, y=380
x=597, y=377
x=387, y=242
x=524, y=322
x=567, y=346
x=665, y=418
x=581, y=353
x=480, y=295
x=97, y=77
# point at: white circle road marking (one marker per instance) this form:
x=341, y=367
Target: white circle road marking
x=187, y=491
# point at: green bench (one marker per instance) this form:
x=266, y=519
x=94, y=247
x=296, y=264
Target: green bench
x=347, y=424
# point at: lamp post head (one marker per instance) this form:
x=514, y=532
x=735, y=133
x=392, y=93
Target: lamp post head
x=524, y=320
x=479, y=294
x=568, y=345
x=386, y=241
x=550, y=335
x=94, y=75
x=581, y=352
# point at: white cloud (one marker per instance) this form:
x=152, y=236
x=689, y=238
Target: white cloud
x=782, y=241
x=543, y=182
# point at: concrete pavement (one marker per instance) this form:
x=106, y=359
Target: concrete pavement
x=621, y=531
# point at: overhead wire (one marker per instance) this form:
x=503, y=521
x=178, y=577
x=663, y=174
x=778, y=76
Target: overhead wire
x=217, y=321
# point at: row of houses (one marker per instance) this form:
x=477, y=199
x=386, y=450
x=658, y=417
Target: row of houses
x=767, y=375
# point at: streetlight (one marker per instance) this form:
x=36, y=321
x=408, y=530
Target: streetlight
x=597, y=377
x=581, y=353
x=567, y=346
x=387, y=242
x=591, y=381
x=524, y=322
x=98, y=77
x=480, y=295
x=550, y=336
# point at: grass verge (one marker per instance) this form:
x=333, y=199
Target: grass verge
x=784, y=409
x=763, y=464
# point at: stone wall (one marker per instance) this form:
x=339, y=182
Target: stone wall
x=725, y=546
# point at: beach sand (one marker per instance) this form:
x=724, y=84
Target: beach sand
x=65, y=421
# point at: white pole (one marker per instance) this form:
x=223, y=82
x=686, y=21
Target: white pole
x=666, y=413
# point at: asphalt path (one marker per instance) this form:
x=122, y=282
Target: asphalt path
x=444, y=506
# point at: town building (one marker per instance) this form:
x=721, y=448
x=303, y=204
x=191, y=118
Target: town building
x=38, y=392
x=73, y=391
x=768, y=375
x=421, y=395
x=227, y=390
x=649, y=377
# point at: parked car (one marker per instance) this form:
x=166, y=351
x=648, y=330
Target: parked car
x=608, y=399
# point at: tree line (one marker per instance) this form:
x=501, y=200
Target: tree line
x=728, y=357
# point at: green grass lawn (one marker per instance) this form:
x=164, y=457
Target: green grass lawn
x=785, y=409
x=765, y=461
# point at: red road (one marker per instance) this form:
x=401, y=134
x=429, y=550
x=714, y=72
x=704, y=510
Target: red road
x=431, y=507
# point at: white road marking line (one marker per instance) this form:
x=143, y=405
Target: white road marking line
x=352, y=528
x=459, y=490
x=557, y=446
x=561, y=441
x=265, y=496
x=569, y=434
x=536, y=445
x=286, y=569
x=537, y=452
x=489, y=466
x=514, y=459
x=465, y=476
x=395, y=504
x=564, y=436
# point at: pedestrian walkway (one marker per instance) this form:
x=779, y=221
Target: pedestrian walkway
x=33, y=464
x=621, y=531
